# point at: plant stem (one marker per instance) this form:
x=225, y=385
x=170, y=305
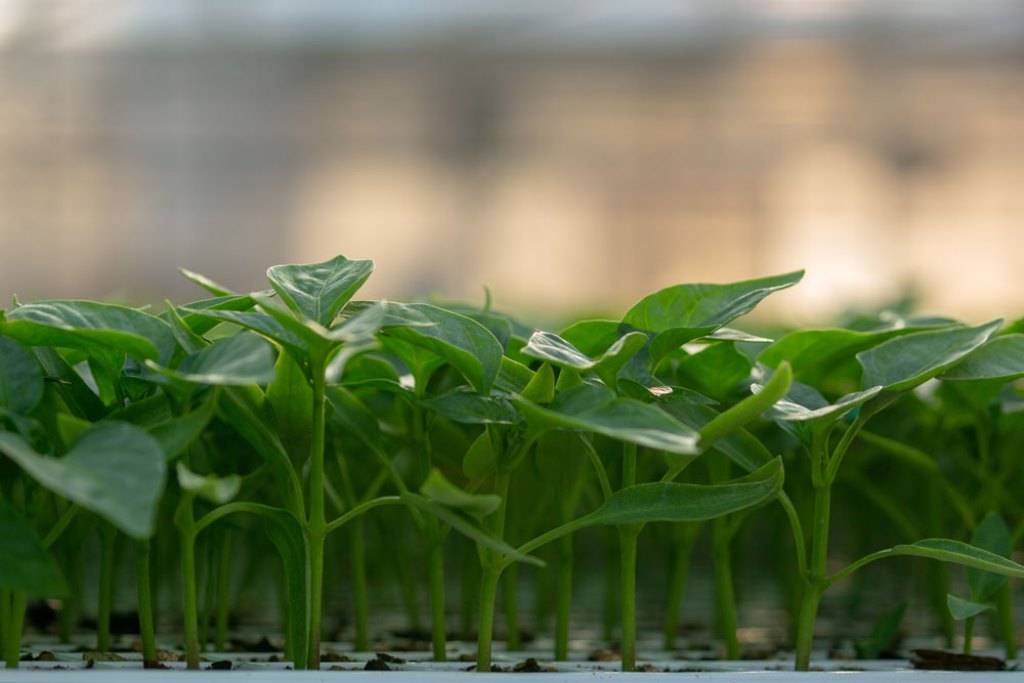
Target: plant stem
x=1004, y=610
x=565, y=562
x=725, y=598
x=627, y=562
x=968, y=634
x=488, y=594
x=510, y=598
x=5, y=618
x=15, y=627
x=609, y=613
x=357, y=560
x=317, y=523
x=469, y=589
x=108, y=540
x=190, y=603
x=220, y=636
x=684, y=537
x=627, y=583
x=437, y=605
x=817, y=579
x=147, y=629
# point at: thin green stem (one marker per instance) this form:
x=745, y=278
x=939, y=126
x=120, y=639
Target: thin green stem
x=817, y=579
x=510, y=600
x=108, y=559
x=599, y=469
x=5, y=619
x=14, y=630
x=488, y=595
x=147, y=628
x=968, y=635
x=798, y=533
x=360, y=602
x=437, y=617
x=839, y=453
x=1004, y=612
x=564, y=598
x=684, y=537
x=184, y=517
x=361, y=509
x=316, y=530
x=220, y=637
x=725, y=597
x=62, y=523
x=627, y=583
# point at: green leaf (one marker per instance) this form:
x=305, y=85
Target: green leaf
x=459, y=341
x=593, y=337
x=26, y=565
x=792, y=409
x=468, y=407
x=674, y=502
x=541, y=388
x=686, y=312
x=816, y=354
x=555, y=350
x=239, y=360
x=513, y=377
x=94, y=327
x=962, y=609
x=480, y=460
x=749, y=409
x=593, y=408
x=1001, y=358
x=440, y=490
x=291, y=398
x=318, y=291
x=716, y=370
x=178, y=433
x=957, y=552
x=905, y=362
x=217, y=490
x=115, y=469
x=992, y=535
x=262, y=323
x=21, y=378
x=205, y=282
x=201, y=325
x=738, y=445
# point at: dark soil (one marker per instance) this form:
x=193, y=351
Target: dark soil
x=940, y=660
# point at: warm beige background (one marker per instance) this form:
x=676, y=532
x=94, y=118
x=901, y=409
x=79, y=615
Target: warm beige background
x=572, y=156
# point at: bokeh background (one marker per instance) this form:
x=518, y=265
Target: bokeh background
x=570, y=155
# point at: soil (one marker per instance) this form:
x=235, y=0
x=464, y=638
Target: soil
x=941, y=660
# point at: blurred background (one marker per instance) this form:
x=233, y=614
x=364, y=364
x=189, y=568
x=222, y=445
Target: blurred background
x=570, y=155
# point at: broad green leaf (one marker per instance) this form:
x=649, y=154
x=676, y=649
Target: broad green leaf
x=241, y=359
x=480, y=459
x=815, y=354
x=905, y=362
x=716, y=370
x=957, y=552
x=291, y=399
x=440, y=490
x=682, y=313
x=593, y=337
x=217, y=490
x=21, y=378
x=792, y=409
x=459, y=341
x=594, y=408
x=115, y=469
x=992, y=535
x=541, y=388
x=965, y=609
x=93, y=327
x=469, y=407
x=201, y=325
x=513, y=377
x=26, y=565
x=262, y=323
x=555, y=350
x=1001, y=358
x=318, y=291
x=178, y=433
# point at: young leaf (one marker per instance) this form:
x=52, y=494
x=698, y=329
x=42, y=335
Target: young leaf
x=92, y=327
x=459, y=341
x=905, y=362
x=241, y=359
x=555, y=350
x=21, y=378
x=965, y=609
x=217, y=490
x=480, y=460
x=115, y=469
x=291, y=398
x=205, y=282
x=992, y=535
x=793, y=409
x=26, y=565
x=594, y=408
x=262, y=323
x=948, y=550
x=435, y=487
x=1001, y=358
x=748, y=409
x=318, y=291
x=178, y=433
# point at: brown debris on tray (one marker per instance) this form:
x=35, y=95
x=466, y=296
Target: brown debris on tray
x=940, y=660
